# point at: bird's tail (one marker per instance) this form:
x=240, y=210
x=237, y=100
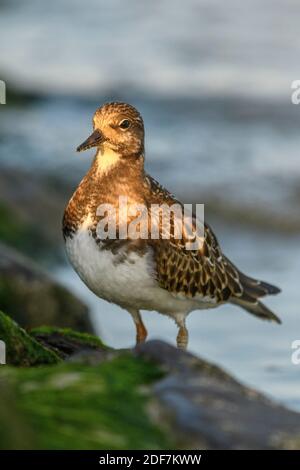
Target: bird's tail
x=257, y=308
x=257, y=288
x=249, y=300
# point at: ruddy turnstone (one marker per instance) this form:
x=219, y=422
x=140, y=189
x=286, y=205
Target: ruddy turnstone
x=145, y=274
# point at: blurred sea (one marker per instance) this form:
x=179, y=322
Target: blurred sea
x=212, y=80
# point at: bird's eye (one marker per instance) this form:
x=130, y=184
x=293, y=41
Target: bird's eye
x=125, y=124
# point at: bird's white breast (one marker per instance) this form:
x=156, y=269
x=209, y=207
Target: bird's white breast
x=128, y=281
x=103, y=272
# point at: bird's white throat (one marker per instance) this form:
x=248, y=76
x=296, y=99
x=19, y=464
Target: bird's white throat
x=106, y=160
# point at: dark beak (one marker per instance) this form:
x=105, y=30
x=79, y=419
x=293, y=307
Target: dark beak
x=94, y=140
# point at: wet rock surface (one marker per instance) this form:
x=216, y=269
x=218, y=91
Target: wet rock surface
x=210, y=409
x=68, y=343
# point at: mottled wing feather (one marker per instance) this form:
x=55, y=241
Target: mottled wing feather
x=193, y=273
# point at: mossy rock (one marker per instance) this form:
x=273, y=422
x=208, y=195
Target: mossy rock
x=22, y=349
x=74, y=406
x=66, y=342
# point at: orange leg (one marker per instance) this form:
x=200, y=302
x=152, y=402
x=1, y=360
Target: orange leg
x=183, y=334
x=141, y=331
x=182, y=338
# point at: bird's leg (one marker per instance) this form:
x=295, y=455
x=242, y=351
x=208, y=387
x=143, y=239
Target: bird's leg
x=182, y=338
x=141, y=332
x=183, y=334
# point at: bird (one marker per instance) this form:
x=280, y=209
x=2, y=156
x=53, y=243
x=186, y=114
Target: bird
x=145, y=273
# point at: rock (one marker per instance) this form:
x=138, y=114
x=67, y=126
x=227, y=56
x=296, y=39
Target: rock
x=30, y=219
x=208, y=408
x=66, y=342
x=21, y=348
x=76, y=406
x=152, y=397
x=33, y=299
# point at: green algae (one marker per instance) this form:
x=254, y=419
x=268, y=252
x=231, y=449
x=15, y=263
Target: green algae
x=66, y=342
x=71, y=406
x=68, y=405
x=22, y=349
x=85, y=339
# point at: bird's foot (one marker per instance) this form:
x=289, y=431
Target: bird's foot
x=182, y=338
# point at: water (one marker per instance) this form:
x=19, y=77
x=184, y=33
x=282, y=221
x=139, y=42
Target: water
x=212, y=80
x=241, y=160
x=170, y=47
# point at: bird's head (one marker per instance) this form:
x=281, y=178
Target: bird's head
x=119, y=128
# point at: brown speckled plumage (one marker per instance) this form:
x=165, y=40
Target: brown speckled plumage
x=203, y=273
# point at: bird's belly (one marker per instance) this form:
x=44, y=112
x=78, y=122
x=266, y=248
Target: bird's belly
x=127, y=280
x=111, y=276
